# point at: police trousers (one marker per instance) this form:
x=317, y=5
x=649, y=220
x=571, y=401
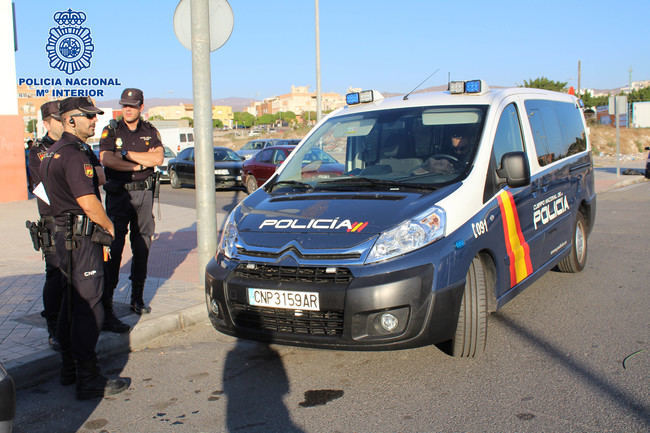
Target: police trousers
x=54, y=281
x=82, y=312
x=130, y=211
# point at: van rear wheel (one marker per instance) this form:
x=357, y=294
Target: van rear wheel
x=174, y=181
x=471, y=329
x=577, y=258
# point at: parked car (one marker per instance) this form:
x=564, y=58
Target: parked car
x=7, y=401
x=227, y=168
x=169, y=155
x=321, y=165
x=261, y=167
x=251, y=148
x=647, y=164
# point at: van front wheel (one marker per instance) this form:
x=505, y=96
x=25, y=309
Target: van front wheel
x=577, y=258
x=471, y=329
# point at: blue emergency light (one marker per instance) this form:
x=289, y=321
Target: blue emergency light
x=473, y=86
x=352, y=98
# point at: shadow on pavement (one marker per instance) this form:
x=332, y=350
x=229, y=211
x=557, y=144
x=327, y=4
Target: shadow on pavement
x=600, y=385
x=255, y=383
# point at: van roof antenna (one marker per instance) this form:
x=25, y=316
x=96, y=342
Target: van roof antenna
x=407, y=95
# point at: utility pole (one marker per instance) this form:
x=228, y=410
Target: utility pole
x=318, y=97
x=206, y=201
x=578, y=94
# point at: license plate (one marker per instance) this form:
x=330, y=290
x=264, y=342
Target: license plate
x=284, y=299
x=222, y=172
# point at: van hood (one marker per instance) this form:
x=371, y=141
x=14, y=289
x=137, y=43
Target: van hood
x=346, y=218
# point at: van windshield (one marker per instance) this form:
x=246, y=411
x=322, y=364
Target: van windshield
x=420, y=147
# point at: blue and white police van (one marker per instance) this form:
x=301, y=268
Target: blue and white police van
x=450, y=204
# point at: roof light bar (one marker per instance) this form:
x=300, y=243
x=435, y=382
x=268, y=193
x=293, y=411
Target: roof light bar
x=472, y=87
x=363, y=97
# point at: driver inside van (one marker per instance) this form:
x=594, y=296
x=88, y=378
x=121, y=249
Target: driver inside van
x=451, y=162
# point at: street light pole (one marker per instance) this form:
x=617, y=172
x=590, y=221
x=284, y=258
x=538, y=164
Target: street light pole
x=318, y=97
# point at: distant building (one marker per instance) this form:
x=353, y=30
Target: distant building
x=180, y=111
x=223, y=113
x=172, y=112
x=29, y=106
x=298, y=101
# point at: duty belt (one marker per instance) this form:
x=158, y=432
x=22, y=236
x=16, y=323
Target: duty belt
x=81, y=225
x=148, y=183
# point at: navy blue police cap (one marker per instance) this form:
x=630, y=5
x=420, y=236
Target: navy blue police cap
x=50, y=109
x=132, y=97
x=81, y=103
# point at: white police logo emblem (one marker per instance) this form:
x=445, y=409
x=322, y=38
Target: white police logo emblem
x=69, y=46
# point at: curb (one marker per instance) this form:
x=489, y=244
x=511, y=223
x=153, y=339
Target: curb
x=627, y=182
x=38, y=367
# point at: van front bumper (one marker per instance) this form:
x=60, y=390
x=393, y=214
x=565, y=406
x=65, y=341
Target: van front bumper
x=352, y=302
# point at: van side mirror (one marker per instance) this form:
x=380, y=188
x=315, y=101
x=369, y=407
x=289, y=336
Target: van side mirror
x=514, y=170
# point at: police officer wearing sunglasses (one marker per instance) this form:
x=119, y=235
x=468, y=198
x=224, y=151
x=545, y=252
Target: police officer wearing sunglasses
x=129, y=150
x=82, y=228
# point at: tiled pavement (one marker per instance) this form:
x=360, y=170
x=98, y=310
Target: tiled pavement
x=173, y=287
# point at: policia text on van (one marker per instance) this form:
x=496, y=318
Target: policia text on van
x=450, y=204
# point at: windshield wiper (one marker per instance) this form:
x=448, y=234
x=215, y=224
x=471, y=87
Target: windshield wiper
x=370, y=181
x=293, y=183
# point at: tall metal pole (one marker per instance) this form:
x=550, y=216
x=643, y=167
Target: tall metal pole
x=318, y=97
x=206, y=200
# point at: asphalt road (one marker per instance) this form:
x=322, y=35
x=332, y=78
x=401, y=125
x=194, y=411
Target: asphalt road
x=186, y=197
x=568, y=354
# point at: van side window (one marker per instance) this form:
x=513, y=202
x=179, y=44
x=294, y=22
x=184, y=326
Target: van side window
x=183, y=138
x=557, y=128
x=508, y=137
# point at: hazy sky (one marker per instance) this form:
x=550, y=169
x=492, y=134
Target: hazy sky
x=387, y=45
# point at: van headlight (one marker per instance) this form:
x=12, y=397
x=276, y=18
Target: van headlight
x=409, y=235
x=229, y=236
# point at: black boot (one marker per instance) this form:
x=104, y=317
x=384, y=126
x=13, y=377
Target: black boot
x=51, y=330
x=111, y=322
x=137, y=302
x=91, y=383
x=68, y=369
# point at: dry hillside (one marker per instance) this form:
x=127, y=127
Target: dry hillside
x=633, y=140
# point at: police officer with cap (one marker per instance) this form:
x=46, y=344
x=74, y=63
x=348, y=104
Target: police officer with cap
x=82, y=228
x=54, y=282
x=129, y=150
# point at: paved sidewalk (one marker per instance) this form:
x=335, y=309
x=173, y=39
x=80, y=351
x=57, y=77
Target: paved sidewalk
x=173, y=288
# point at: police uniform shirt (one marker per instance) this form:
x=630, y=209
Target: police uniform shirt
x=36, y=154
x=144, y=137
x=68, y=174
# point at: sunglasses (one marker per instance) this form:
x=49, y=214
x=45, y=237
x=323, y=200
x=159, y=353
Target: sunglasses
x=87, y=116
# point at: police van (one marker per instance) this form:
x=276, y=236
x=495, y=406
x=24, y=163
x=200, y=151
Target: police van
x=449, y=205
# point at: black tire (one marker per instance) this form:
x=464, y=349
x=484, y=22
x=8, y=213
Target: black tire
x=577, y=258
x=471, y=329
x=174, y=181
x=251, y=183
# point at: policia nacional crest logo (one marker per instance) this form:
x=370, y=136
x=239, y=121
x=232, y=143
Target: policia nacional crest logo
x=69, y=46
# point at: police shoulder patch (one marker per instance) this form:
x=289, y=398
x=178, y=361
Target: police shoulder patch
x=88, y=170
x=105, y=133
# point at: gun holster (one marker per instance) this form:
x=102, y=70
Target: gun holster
x=34, y=234
x=156, y=187
x=101, y=236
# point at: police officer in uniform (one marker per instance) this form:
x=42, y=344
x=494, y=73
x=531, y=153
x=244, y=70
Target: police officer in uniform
x=82, y=227
x=54, y=282
x=129, y=150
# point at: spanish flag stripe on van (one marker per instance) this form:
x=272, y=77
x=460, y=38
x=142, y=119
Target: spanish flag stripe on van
x=516, y=246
